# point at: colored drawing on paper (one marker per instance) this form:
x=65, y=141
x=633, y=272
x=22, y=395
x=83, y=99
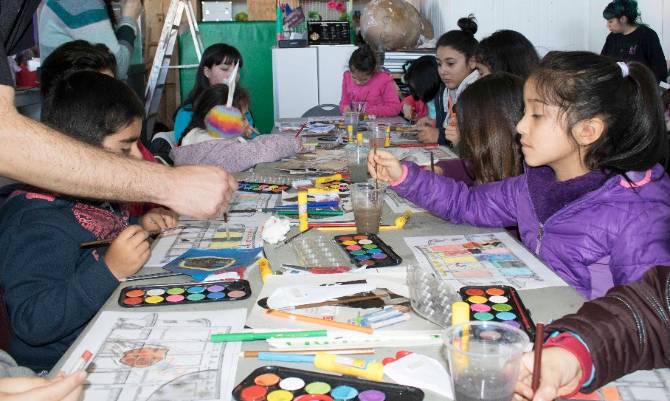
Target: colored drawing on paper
x=482, y=259
x=252, y=201
x=243, y=232
x=644, y=385
x=200, y=263
x=160, y=356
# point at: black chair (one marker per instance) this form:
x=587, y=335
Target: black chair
x=323, y=110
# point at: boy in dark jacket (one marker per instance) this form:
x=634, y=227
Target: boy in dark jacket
x=52, y=287
x=609, y=337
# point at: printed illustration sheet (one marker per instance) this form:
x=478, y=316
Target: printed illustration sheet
x=243, y=232
x=482, y=259
x=644, y=385
x=160, y=356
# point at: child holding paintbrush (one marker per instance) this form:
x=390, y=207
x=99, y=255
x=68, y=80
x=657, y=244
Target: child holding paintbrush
x=52, y=287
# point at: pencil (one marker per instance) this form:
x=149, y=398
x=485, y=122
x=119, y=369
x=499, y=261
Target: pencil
x=321, y=322
x=537, y=360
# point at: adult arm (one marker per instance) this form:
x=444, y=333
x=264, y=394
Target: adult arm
x=626, y=330
x=492, y=204
x=40, y=156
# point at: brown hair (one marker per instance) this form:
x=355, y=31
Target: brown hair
x=487, y=113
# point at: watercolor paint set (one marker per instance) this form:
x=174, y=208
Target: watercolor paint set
x=498, y=303
x=368, y=250
x=184, y=293
x=262, y=188
x=276, y=383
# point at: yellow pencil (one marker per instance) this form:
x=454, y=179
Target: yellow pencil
x=322, y=322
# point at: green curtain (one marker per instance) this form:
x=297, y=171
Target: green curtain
x=254, y=40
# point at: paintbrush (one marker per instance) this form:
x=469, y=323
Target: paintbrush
x=287, y=240
x=346, y=351
x=106, y=242
x=336, y=302
x=225, y=220
x=432, y=163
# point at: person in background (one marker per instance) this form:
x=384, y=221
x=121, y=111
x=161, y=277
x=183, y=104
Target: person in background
x=365, y=82
x=41, y=232
x=216, y=65
x=630, y=40
x=594, y=200
x=62, y=21
x=506, y=51
x=424, y=83
x=489, y=150
x=457, y=70
x=609, y=337
x=215, y=135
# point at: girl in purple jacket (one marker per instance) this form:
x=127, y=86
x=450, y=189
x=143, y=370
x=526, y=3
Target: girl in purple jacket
x=594, y=202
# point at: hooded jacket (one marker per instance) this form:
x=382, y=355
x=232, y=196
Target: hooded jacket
x=622, y=227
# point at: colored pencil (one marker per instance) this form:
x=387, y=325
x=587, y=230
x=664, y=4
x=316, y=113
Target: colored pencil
x=310, y=351
x=537, y=360
x=317, y=321
x=521, y=309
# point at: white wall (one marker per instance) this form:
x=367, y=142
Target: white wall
x=549, y=24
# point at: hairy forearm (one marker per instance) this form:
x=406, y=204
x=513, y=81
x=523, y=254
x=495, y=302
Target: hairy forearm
x=40, y=156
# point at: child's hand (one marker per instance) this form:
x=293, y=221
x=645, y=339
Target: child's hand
x=346, y=109
x=561, y=374
x=425, y=122
x=128, y=252
x=158, y=219
x=62, y=388
x=408, y=111
x=248, y=132
x=384, y=166
x=437, y=169
x=452, y=134
x=428, y=135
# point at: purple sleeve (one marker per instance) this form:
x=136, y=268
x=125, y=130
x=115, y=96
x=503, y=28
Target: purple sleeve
x=345, y=100
x=492, y=204
x=234, y=156
x=390, y=105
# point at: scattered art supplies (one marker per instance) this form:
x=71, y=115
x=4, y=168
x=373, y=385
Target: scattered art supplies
x=292, y=296
x=322, y=160
x=386, y=316
x=339, y=339
x=280, y=383
x=200, y=263
x=143, y=356
x=498, y=303
x=368, y=250
x=262, y=187
x=421, y=155
x=184, y=293
x=482, y=259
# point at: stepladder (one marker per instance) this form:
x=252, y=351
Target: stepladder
x=162, y=61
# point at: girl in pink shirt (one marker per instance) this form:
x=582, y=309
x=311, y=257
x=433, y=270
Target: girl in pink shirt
x=365, y=83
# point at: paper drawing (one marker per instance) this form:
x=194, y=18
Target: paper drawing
x=160, y=356
x=482, y=259
x=644, y=385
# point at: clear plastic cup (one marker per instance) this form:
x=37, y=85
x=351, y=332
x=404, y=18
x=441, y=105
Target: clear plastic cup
x=351, y=125
x=377, y=134
x=357, y=163
x=367, y=201
x=484, y=359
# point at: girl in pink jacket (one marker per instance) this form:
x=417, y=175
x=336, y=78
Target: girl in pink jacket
x=364, y=82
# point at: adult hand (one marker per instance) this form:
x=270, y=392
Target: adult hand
x=128, y=252
x=428, y=135
x=425, y=122
x=131, y=8
x=384, y=166
x=560, y=375
x=62, y=388
x=158, y=219
x=199, y=191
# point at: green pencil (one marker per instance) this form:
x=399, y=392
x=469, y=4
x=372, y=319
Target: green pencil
x=229, y=337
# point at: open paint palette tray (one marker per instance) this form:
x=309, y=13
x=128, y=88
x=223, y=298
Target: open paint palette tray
x=184, y=293
x=280, y=383
x=368, y=250
x=498, y=303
